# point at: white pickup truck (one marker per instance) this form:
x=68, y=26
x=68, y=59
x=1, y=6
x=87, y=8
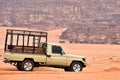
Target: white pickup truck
x=26, y=50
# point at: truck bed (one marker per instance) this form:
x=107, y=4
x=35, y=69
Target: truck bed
x=16, y=48
x=13, y=56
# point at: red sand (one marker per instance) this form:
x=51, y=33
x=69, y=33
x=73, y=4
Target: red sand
x=103, y=62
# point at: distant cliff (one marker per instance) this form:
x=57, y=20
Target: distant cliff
x=53, y=13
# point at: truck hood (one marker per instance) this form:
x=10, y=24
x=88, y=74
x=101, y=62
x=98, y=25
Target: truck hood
x=74, y=56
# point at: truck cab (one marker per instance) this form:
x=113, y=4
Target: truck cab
x=27, y=49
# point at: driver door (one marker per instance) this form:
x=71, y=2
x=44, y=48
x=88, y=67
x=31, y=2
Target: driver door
x=57, y=57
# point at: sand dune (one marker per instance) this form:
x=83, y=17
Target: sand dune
x=112, y=69
x=103, y=62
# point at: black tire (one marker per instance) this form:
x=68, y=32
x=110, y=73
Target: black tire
x=27, y=65
x=66, y=69
x=19, y=66
x=76, y=67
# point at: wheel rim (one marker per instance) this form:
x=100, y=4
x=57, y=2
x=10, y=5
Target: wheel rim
x=27, y=66
x=76, y=68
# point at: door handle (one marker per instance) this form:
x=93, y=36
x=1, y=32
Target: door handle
x=48, y=55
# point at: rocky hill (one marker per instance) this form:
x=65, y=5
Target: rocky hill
x=80, y=33
x=52, y=14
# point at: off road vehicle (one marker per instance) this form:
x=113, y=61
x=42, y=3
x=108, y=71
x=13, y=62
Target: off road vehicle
x=28, y=49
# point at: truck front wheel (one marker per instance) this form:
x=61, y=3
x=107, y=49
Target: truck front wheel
x=27, y=65
x=76, y=67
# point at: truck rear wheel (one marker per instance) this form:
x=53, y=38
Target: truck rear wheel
x=76, y=67
x=27, y=65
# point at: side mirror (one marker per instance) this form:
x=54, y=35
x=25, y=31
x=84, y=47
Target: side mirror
x=62, y=52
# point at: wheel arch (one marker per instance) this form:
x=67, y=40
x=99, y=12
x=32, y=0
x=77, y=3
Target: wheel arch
x=79, y=62
x=29, y=59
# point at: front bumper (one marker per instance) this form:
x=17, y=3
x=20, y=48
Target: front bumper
x=84, y=62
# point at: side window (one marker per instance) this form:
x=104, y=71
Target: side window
x=56, y=49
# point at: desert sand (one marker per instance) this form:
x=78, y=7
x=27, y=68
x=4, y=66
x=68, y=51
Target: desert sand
x=103, y=62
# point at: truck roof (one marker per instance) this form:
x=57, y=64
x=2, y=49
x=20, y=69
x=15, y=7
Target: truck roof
x=54, y=44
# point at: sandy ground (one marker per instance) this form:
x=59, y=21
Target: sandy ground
x=103, y=62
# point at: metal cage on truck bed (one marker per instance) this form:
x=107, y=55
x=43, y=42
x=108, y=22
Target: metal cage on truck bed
x=25, y=41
